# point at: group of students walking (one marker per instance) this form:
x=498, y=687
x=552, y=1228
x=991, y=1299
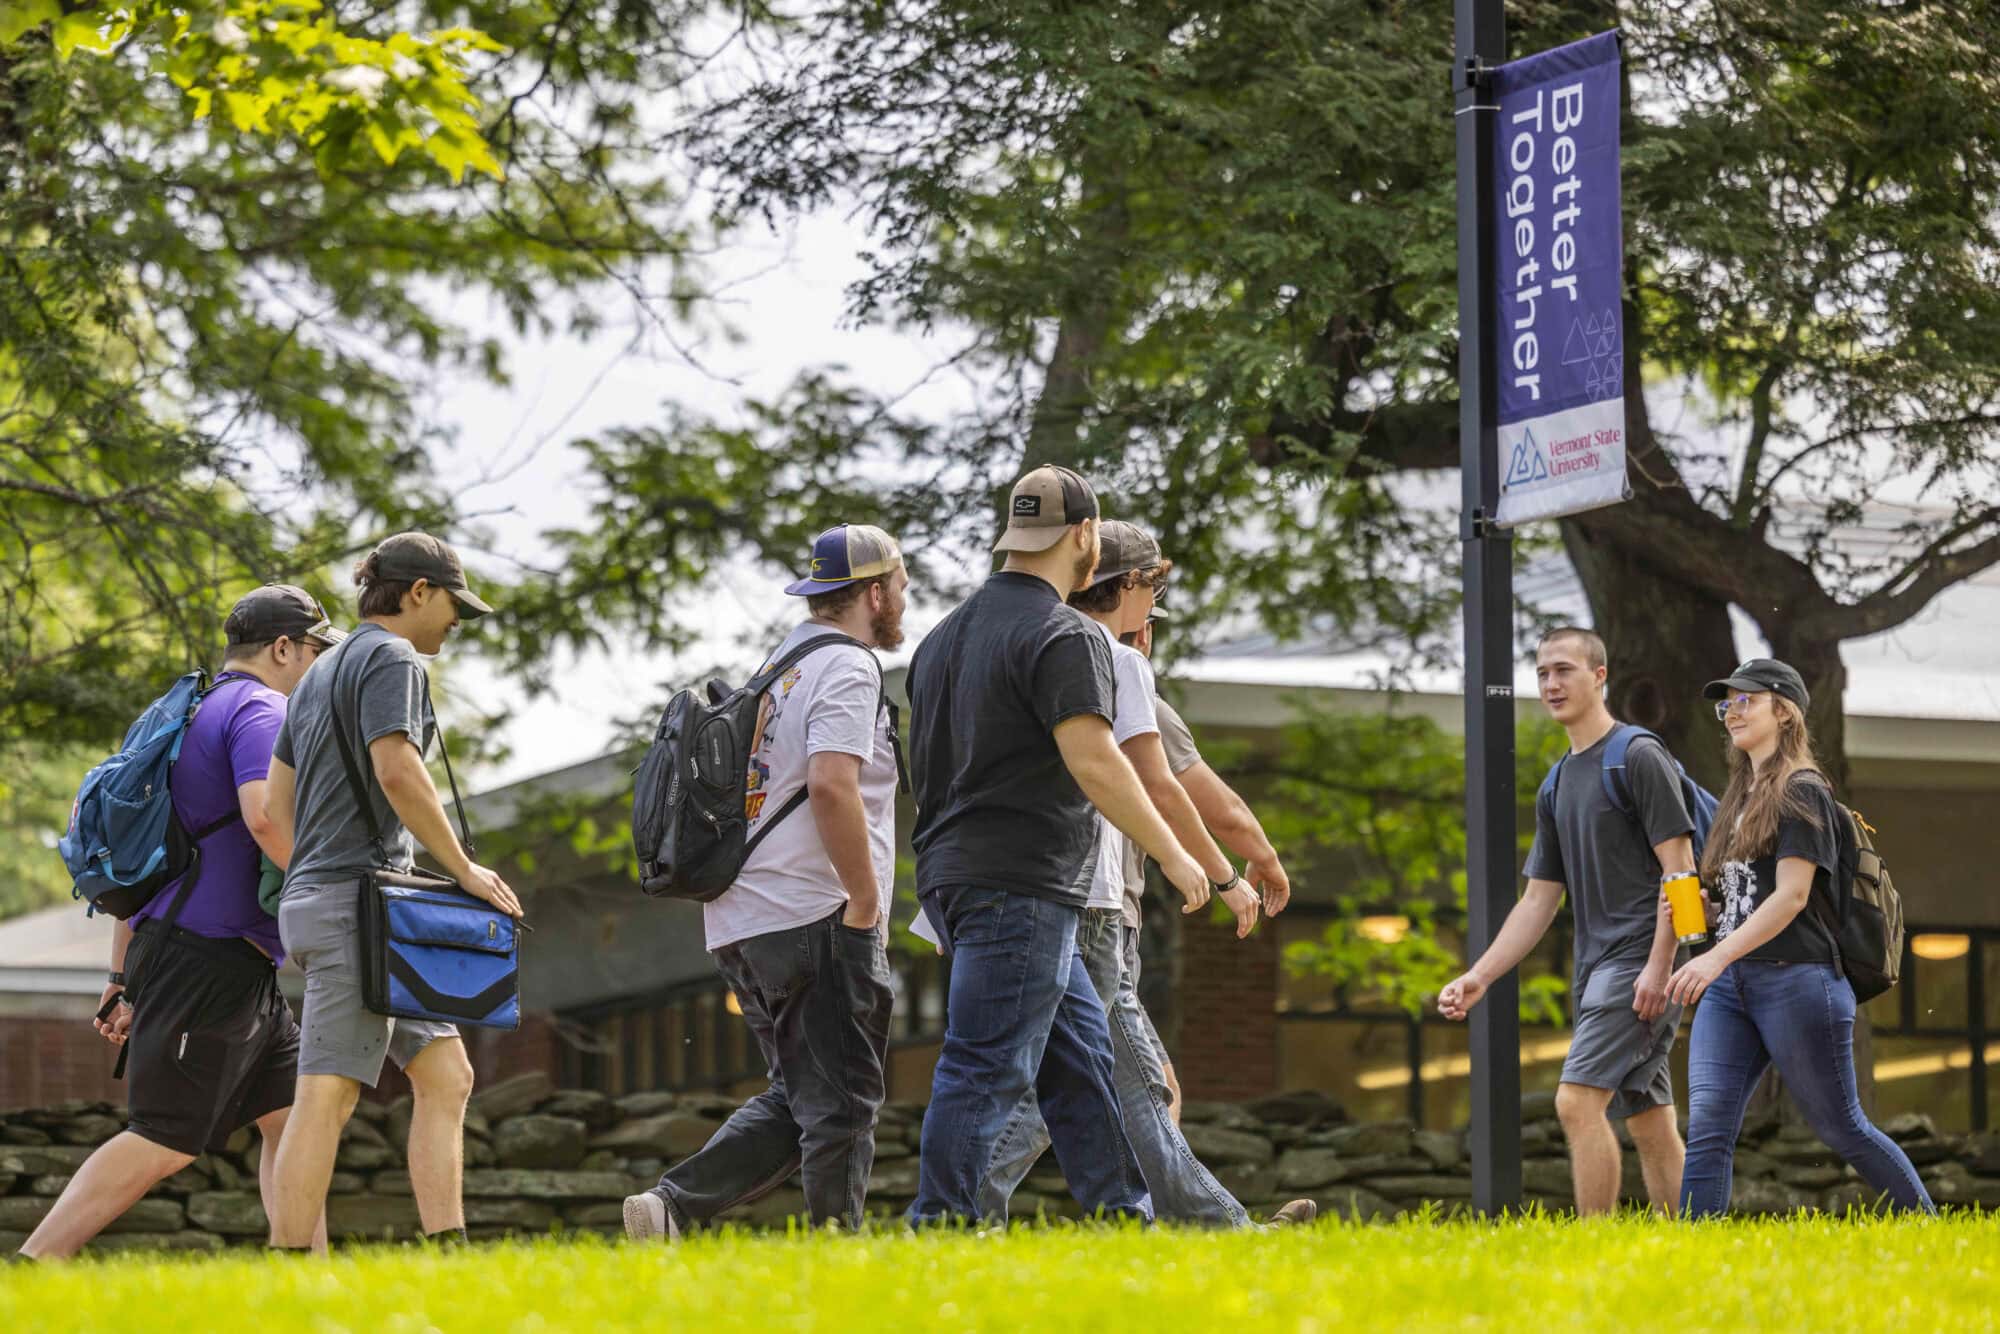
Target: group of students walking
x=1771, y=983
x=1046, y=771
x=211, y=1045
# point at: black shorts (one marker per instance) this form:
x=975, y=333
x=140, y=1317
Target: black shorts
x=213, y=1045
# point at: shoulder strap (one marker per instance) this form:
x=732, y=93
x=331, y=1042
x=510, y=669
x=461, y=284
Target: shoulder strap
x=1616, y=789
x=1547, y=791
x=359, y=786
x=763, y=682
x=355, y=783
x=195, y=837
x=451, y=779
x=883, y=704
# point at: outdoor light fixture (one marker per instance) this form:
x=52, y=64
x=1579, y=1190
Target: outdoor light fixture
x=1936, y=1063
x=1458, y=1066
x=1939, y=947
x=731, y=1004
x=1386, y=930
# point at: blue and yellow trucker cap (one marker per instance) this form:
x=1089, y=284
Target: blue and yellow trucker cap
x=845, y=553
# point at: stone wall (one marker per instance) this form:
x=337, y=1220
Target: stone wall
x=538, y=1158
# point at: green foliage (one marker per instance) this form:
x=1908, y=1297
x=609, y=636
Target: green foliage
x=594, y=832
x=34, y=810
x=1207, y=252
x=217, y=343
x=285, y=65
x=675, y=503
x=1385, y=793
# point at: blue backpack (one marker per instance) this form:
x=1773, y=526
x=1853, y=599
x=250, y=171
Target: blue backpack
x=1701, y=803
x=124, y=842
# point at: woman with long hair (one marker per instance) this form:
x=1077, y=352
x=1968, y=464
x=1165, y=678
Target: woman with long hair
x=1770, y=986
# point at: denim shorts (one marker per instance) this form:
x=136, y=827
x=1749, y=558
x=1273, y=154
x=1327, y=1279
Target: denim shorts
x=339, y=1035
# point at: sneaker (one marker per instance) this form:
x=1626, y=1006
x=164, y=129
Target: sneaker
x=647, y=1218
x=1294, y=1214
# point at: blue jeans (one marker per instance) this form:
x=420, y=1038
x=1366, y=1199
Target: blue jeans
x=1021, y=1017
x=1183, y=1190
x=1799, y=1017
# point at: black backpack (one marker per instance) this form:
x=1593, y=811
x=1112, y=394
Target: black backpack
x=692, y=790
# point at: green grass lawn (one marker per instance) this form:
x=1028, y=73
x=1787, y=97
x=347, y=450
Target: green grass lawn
x=1547, y=1277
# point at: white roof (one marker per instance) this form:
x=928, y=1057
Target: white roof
x=55, y=950
x=1944, y=664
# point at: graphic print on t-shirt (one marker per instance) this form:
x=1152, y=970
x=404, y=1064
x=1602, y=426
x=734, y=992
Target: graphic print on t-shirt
x=1739, y=897
x=830, y=702
x=758, y=789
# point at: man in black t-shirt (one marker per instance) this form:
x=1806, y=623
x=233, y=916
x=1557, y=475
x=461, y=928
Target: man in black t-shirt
x=1011, y=748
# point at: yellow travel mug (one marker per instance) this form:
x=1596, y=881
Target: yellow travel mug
x=1684, y=896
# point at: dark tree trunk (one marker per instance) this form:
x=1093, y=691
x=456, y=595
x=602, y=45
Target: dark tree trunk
x=1818, y=661
x=1665, y=640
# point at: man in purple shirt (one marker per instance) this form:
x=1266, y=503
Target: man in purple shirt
x=211, y=1044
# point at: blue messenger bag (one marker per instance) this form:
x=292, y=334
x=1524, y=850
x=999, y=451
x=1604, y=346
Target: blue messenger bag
x=429, y=950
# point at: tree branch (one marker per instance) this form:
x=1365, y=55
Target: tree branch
x=1747, y=491
x=1913, y=586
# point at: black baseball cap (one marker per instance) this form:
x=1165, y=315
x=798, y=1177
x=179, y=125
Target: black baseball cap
x=408, y=557
x=280, y=610
x=1762, y=674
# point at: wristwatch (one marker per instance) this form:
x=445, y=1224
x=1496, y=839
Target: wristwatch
x=117, y=978
x=1235, y=882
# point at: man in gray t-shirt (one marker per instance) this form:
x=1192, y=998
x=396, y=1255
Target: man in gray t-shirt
x=1610, y=862
x=373, y=690
x=1226, y=815
x=1605, y=857
x=375, y=686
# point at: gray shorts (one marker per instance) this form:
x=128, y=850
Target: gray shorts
x=1611, y=1049
x=321, y=928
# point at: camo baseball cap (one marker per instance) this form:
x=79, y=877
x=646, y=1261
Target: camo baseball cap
x=1122, y=548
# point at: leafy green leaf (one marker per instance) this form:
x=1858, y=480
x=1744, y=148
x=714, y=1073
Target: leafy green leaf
x=21, y=15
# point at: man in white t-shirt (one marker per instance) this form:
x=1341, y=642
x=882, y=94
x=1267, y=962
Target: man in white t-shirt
x=1226, y=814
x=1119, y=598
x=800, y=937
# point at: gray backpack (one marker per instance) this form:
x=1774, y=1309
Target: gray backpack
x=1869, y=929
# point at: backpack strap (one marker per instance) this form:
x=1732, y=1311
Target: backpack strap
x=1617, y=788
x=216, y=826
x=359, y=786
x=765, y=679
x=1547, y=791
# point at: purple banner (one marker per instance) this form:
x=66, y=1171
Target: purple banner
x=1559, y=348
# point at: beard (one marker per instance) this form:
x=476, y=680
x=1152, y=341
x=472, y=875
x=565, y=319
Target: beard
x=1086, y=565
x=886, y=627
